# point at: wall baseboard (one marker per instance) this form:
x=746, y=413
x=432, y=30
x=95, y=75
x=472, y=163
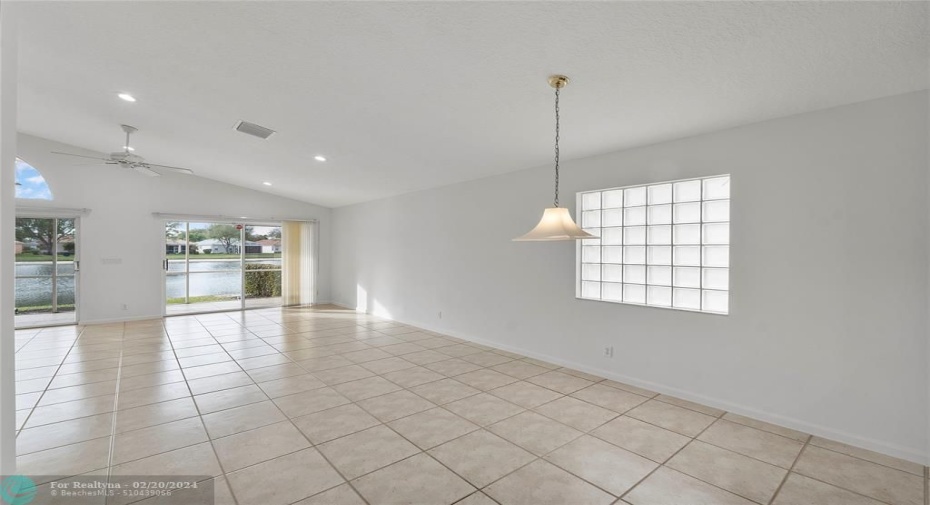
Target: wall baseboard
x=906, y=453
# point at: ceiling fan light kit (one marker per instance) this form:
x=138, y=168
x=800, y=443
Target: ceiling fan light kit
x=556, y=223
x=126, y=159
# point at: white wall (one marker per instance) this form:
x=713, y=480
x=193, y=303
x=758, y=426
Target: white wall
x=121, y=225
x=828, y=328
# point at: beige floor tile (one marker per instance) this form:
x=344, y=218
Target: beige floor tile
x=339, y=495
x=219, y=382
x=481, y=457
x=290, y=385
x=192, y=460
x=458, y=350
x=204, y=359
x=149, y=380
x=339, y=375
x=395, y=405
x=424, y=357
x=151, y=395
x=222, y=495
x=874, y=457
x=544, y=364
x=754, y=443
x=542, y=483
x=535, y=433
x=324, y=363
x=607, y=466
x=410, y=377
x=764, y=426
x=478, y=498
x=284, y=480
x=237, y=419
x=69, y=460
x=485, y=379
x=800, y=490
x=138, y=444
x=334, y=423
x=68, y=432
x=736, y=473
x=366, y=355
x=677, y=419
x=367, y=451
x=576, y=413
x=229, y=398
x=270, y=373
x=525, y=394
x=400, y=348
x=519, y=369
x=70, y=410
x=655, y=443
x=73, y=393
x=561, y=382
x=578, y=373
x=669, y=487
x=158, y=413
x=267, y=360
x=703, y=409
x=261, y=444
x=366, y=388
x=452, y=367
x=383, y=366
x=76, y=379
x=432, y=427
x=864, y=477
x=630, y=388
x=444, y=391
x=487, y=359
x=483, y=409
x=309, y=402
x=418, y=480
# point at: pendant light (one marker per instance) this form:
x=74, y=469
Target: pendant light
x=556, y=222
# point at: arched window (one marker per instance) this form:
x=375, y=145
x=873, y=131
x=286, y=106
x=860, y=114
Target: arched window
x=29, y=182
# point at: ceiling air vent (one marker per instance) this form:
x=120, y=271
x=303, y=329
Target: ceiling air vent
x=254, y=129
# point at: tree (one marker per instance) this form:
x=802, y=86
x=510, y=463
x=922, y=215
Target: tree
x=197, y=235
x=42, y=232
x=226, y=234
x=275, y=233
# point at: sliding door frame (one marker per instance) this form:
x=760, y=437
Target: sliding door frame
x=55, y=217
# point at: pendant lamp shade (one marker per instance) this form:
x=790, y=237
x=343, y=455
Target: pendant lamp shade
x=556, y=224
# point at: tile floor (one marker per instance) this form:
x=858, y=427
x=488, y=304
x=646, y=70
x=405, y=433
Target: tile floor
x=326, y=406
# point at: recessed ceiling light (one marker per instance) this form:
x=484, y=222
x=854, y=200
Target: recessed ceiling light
x=319, y=158
x=127, y=97
x=267, y=183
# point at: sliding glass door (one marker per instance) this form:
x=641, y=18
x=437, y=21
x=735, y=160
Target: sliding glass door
x=214, y=266
x=47, y=269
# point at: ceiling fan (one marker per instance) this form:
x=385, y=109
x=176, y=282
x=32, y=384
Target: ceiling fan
x=125, y=158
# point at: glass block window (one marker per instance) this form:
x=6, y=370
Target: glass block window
x=661, y=245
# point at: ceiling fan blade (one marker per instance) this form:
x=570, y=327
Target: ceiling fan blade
x=145, y=171
x=185, y=171
x=80, y=156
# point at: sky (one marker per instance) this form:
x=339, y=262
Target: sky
x=30, y=183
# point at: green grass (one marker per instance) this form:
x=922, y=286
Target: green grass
x=222, y=256
x=62, y=307
x=41, y=257
x=202, y=299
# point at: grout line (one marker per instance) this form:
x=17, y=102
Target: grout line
x=790, y=469
x=113, y=418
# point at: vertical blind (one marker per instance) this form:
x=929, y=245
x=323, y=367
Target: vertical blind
x=299, y=262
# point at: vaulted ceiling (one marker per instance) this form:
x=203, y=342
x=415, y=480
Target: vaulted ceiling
x=401, y=96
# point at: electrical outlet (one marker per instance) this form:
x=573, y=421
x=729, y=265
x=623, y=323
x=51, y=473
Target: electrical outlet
x=125, y=307
x=609, y=351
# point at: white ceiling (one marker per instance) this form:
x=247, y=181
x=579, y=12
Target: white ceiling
x=405, y=96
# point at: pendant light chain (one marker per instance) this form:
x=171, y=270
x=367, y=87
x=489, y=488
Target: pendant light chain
x=556, y=147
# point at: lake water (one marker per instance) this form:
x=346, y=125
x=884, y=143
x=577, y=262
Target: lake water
x=207, y=277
